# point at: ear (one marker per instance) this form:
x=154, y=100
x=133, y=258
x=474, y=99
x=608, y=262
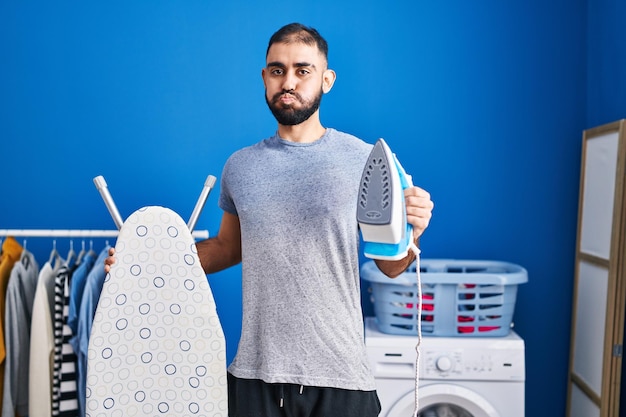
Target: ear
x=263, y=76
x=328, y=79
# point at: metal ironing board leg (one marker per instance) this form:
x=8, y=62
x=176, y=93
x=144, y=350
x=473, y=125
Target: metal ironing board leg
x=208, y=185
x=101, y=185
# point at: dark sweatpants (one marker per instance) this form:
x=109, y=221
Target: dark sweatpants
x=255, y=398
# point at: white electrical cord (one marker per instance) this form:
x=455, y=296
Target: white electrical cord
x=416, y=250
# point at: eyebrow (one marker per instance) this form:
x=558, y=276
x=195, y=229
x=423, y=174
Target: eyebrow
x=297, y=65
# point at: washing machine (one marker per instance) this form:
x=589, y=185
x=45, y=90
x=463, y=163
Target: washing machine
x=458, y=376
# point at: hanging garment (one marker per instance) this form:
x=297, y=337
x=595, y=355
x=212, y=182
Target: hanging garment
x=87, y=309
x=19, y=305
x=64, y=391
x=42, y=342
x=11, y=253
x=77, y=287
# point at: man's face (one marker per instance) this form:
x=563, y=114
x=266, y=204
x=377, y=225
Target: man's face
x=294, y=79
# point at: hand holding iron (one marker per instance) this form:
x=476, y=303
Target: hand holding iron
x=419, y=209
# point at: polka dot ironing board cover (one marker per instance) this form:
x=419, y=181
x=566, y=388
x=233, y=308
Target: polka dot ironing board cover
x=156, y=347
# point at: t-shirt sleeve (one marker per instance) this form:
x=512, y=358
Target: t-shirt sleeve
x=225, y=201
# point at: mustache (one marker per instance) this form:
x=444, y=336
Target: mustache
x=277, y=96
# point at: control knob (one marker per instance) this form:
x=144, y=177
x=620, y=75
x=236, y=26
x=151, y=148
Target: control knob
x=444, y=364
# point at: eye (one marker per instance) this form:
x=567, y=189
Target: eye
x=303, y=71
x=277, y=71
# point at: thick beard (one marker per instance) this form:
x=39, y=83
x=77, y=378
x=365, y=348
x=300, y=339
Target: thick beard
x=288, y=116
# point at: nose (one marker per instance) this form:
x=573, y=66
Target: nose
x=289, y=82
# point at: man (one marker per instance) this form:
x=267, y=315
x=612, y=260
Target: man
x=290, y=218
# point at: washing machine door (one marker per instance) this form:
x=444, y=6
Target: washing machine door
x=444, y=400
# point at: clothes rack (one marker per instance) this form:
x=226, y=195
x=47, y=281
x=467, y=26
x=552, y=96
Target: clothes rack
x=77, y=233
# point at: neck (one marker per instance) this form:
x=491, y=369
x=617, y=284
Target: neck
x=306, y=132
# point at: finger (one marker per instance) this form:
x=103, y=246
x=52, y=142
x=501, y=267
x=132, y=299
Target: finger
x=416, y=215
x=419, y=202
x=416, y=192
x=108, y=261
x=419, y=223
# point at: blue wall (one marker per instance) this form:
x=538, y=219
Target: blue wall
x=606, y=62
x=484, y=103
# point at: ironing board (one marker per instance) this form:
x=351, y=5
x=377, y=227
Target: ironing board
x=156, y=345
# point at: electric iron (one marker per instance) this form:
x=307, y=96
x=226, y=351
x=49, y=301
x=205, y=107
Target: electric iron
x=381, y=211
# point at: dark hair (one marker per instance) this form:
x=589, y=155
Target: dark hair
x=297, y=32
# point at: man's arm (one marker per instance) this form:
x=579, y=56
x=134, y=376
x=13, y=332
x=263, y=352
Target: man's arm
x=223, y=250
x=394, y=268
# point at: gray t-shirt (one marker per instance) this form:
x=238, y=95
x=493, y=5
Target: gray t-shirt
x=296, y=203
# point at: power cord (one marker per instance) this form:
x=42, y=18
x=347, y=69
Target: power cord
x=416, y=250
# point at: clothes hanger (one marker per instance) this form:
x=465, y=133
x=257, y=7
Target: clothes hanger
x=24, y=258
x=54, y=254
x=70, y=260
x=91, y=249
x=82, y=253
